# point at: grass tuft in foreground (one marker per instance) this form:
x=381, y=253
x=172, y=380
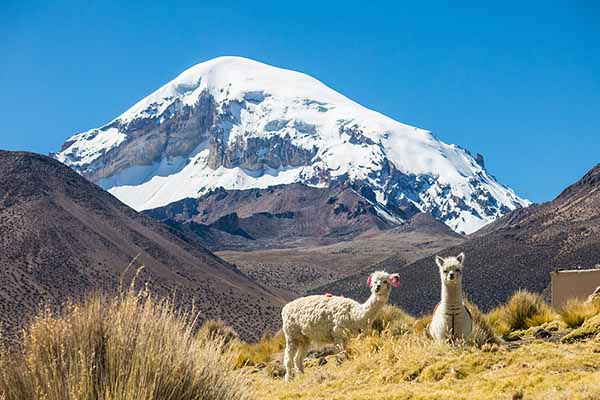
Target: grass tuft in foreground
x=262, y=352
x=128, y=347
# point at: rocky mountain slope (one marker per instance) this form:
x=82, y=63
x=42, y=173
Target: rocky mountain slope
x=239, y=124
x=62, y=237
x=280, y=216
x=517, y=251
x=296, y=237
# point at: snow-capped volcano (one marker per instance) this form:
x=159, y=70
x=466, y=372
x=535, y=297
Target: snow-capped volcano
x=236, y=123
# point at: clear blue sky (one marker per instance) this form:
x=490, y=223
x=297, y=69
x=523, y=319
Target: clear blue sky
x=519, y=83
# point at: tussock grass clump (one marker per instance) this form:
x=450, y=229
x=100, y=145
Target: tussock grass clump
x=589, y=329
x=128, y=347
x=575, y=312
x=393, y=320
x=261, y=352
x=218, y=331
x=523, y=310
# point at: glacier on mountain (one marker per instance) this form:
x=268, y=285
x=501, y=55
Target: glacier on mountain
x=236, y=123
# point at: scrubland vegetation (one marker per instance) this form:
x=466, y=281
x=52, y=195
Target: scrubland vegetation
x=123, y=348
x=137, y=347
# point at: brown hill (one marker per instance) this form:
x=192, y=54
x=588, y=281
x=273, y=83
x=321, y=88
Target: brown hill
x=62, y=237
x=517, y=251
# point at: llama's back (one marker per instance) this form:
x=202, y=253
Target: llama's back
x=315, y=317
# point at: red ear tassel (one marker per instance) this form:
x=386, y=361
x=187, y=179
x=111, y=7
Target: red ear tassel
x=395, y=280
x=369, y=281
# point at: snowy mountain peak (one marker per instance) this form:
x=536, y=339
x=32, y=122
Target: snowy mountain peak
x=236, y=123
x=230, y=78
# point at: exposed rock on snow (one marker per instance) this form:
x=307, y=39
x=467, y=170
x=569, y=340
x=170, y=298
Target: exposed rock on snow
x=236, y=123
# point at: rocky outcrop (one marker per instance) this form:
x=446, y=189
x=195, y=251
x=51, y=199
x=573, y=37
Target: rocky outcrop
x=181, y=130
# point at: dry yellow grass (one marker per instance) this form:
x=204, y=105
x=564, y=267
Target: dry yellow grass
x=134, y=347
x=129, y=347
x=523, y=310
x=414, y=367
x=387, y=365
x=575, y=312
x=218, y=331
x=394, y=320
x=262, y=352
x=589, y=329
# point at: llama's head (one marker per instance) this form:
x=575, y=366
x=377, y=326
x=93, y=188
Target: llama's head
x=451, y=269
x=381, y=283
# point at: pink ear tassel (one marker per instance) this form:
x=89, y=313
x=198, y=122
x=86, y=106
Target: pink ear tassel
x=395, y=281
x=369, y=281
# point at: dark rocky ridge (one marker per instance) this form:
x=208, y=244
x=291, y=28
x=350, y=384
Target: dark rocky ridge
x=276, y=217
x=296, y=237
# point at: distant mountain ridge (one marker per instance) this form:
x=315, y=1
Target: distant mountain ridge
x=62, y=238
x=239, y=124
x=279, y=216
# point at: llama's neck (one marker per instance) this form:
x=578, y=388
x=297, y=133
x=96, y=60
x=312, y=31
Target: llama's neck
x=452, y=300
x=369, y=309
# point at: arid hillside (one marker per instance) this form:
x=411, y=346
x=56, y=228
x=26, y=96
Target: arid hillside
x=62, y=237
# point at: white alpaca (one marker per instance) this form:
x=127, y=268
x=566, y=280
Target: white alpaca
x=330, y=319
x=451, y=319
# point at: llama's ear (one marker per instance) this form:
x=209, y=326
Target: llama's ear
x=439, y=261
x=461, y=258
x=395, y=280
x=369, y=281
